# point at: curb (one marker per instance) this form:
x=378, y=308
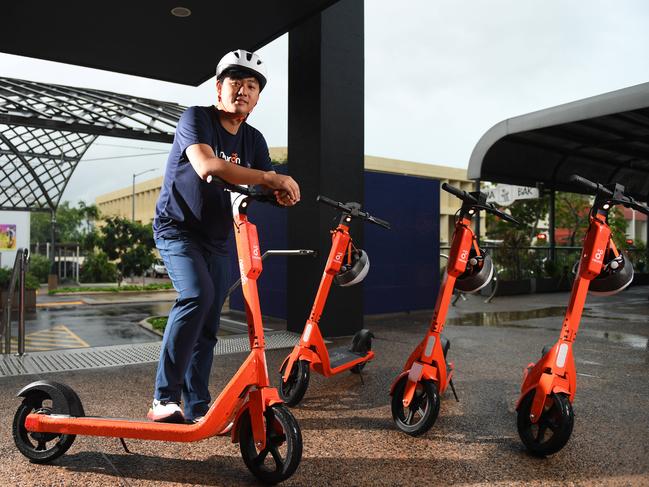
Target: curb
x=147, y=326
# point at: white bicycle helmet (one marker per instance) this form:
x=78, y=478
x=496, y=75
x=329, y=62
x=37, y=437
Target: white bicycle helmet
x=355, y=272
x=242, y=60
x=479, y=272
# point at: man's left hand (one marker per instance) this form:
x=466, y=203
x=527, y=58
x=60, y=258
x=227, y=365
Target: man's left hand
x=284, y=199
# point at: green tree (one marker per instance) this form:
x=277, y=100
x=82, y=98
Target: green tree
x=572, y=214
x=618, y=223
x=73, y=224
x=529, y=212
x=130, y=243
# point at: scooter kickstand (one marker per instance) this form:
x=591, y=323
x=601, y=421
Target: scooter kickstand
x=453, y=389
x=360, y=374
x=125, y=447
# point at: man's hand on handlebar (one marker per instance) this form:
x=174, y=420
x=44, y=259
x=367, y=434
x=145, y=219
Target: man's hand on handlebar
x=283, y=198
x=285, y=185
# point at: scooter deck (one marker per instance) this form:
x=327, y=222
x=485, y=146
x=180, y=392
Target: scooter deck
x=342, y=355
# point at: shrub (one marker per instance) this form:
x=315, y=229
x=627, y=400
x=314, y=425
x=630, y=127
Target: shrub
x=97, y=268
x=39, y=265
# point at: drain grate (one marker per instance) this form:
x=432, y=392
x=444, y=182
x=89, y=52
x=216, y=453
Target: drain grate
x=113, y=356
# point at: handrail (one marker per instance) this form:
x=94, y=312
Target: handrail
x=298, y=252
x=18, y=273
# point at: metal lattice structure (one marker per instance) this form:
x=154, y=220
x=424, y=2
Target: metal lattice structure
x=46, y=129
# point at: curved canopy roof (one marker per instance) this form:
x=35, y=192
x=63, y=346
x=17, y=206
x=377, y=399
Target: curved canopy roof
x=45, y=130
x=604, y=138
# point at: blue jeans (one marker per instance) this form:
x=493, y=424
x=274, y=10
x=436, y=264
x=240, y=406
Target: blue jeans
x=201, y=279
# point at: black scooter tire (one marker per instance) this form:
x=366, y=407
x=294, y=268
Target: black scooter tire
x=558, y=418
x=290, y=437
x=292, y=391
x=428, y=397
x=38, y=447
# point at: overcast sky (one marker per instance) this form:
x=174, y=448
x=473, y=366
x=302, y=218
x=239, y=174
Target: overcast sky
x=438, y=75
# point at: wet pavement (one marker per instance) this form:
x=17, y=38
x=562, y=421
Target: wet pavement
x=349, y=436
x=102, y=319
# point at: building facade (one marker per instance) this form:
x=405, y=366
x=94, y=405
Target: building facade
x=119, y=202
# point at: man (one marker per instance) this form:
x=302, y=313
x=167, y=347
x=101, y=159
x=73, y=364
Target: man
x=192, y=222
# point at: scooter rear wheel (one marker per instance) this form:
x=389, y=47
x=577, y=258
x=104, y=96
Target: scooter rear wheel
x=422, y=412
x=38, y=447
x=292, y=391
x=553, y=429
x=283, y=450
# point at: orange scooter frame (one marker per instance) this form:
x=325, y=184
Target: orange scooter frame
x=427, y=373
x=549, y=385
x=311, y=352
x=248, y=394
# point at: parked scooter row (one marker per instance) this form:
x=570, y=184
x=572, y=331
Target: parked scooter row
x=254, y=414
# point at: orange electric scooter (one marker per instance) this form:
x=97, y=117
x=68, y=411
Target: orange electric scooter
x=347, y=266
x=248, y=409
x=545, y=417
x=426, y=374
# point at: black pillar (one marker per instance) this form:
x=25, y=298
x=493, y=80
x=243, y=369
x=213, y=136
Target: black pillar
x=325, y=155
x=552, y=218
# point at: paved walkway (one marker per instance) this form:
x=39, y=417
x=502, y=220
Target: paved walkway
x=349, y=437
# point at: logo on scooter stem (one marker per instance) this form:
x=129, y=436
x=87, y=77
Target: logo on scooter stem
x=464, y=256
x=244, y=278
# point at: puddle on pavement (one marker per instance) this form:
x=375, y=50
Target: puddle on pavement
x=511, y=319
x=502, y=318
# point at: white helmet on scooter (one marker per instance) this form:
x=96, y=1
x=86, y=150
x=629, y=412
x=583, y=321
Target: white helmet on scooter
x=479, y=272
x=354, y=272
x=242, y=61
x=616, y=275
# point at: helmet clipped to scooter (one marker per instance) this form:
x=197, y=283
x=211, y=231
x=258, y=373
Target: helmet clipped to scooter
x=479, y=272
x=355, y=271
x=616, y=275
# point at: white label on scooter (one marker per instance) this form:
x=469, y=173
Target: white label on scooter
x=429, y=346
x=561, y=356
x=415, y=372
x=307, y=332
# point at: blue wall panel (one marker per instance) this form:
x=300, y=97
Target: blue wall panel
x=404, y=261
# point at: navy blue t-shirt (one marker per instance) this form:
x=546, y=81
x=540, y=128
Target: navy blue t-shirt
x=189, y=206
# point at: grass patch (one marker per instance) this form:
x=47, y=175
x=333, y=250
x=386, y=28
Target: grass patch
x=111, y=289
x=158, y=322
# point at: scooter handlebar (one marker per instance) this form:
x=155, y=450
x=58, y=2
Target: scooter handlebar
x=261, y=196
x=354, y=211
x=618, y=198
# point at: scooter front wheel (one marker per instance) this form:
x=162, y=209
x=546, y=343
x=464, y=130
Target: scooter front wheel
x=292, y=391
x=422, y=412
x=38, y=447
x=283, y=450
x=552, y=431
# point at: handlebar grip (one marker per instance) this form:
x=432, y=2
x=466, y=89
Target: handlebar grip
x=640, y=207
x=588, y=184
x=454, y=191
x=329, y=201
x=381, y=223
x=508, y=218
x=232, y=187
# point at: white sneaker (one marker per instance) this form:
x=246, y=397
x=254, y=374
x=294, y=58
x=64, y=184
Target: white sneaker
x=165, y=412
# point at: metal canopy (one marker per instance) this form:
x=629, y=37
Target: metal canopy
x=46, y=129
x=143, y=38
x=604, y=138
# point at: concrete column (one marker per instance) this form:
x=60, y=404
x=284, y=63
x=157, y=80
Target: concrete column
x=325, y=154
